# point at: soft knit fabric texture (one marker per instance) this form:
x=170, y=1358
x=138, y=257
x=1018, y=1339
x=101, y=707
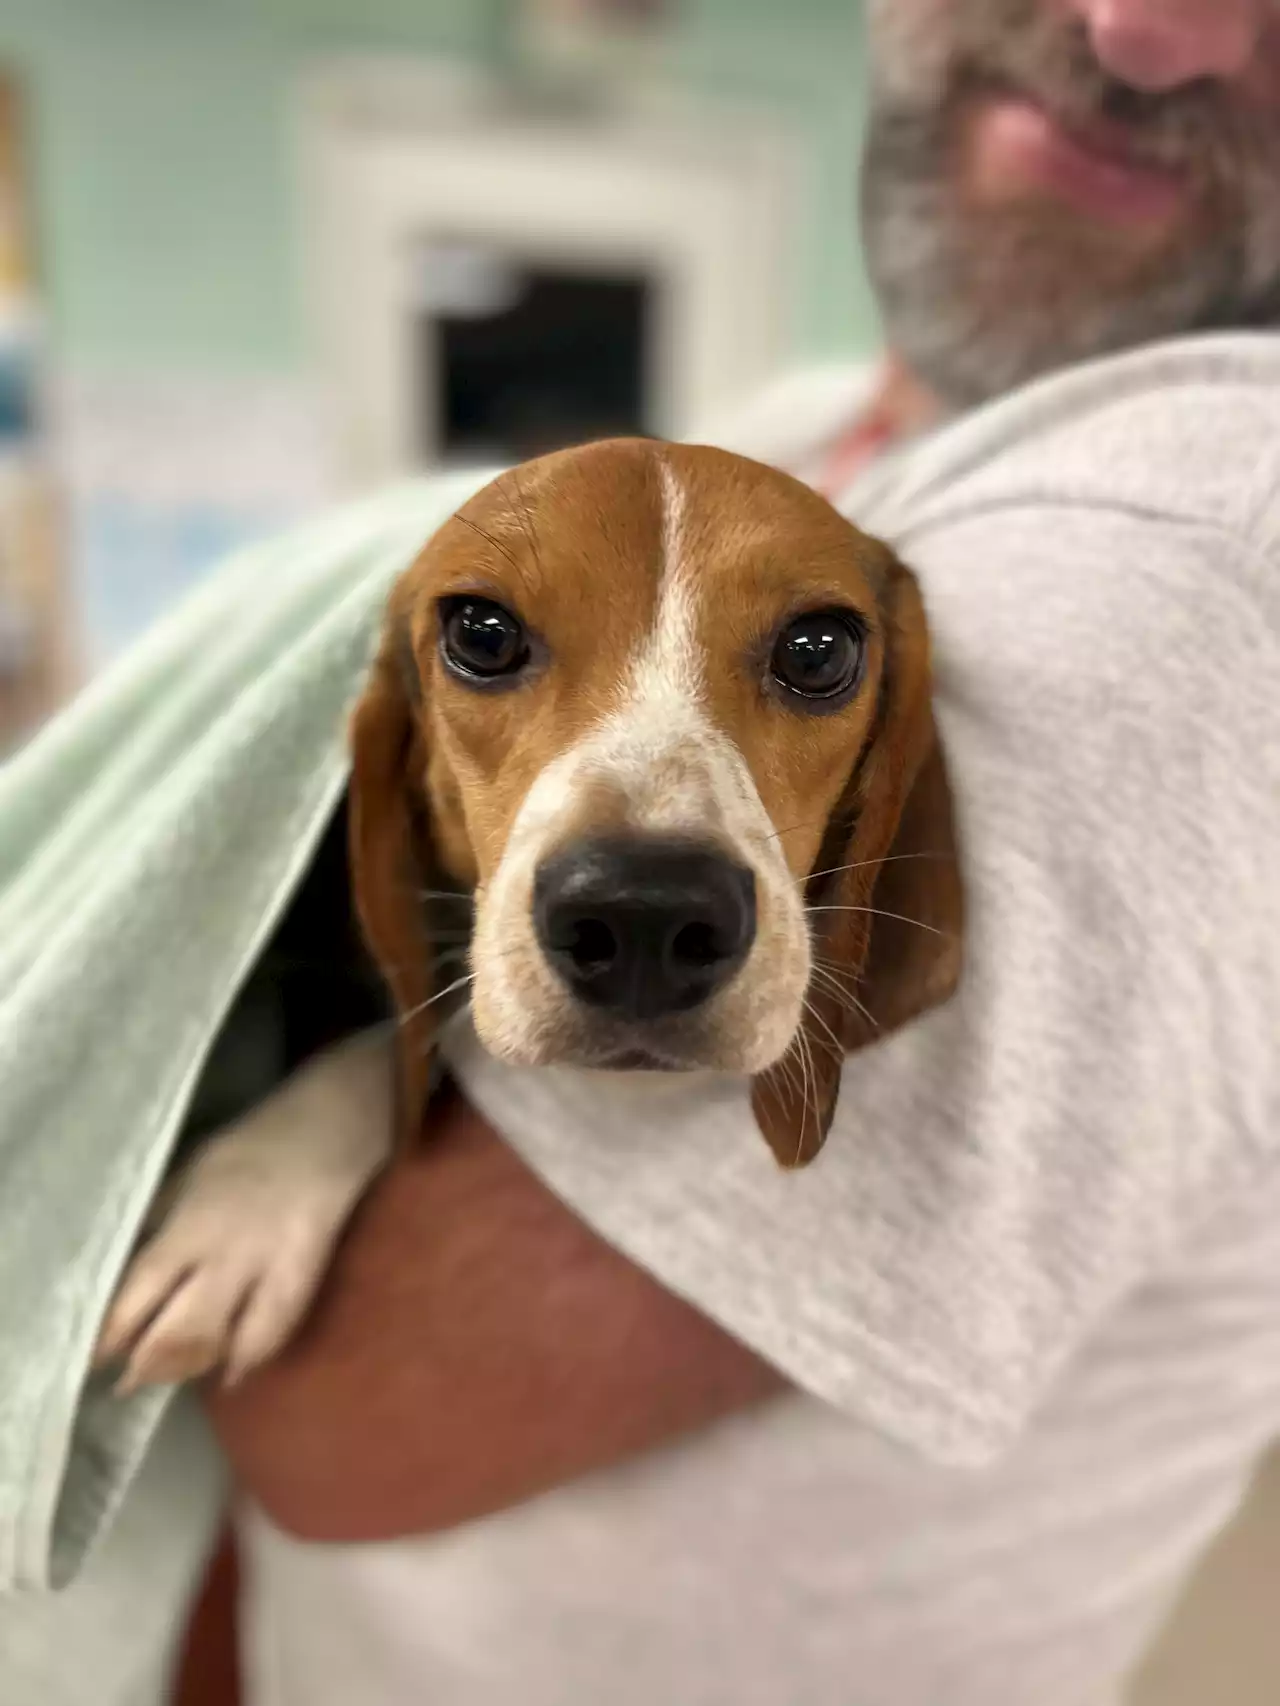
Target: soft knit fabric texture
x=149, y=837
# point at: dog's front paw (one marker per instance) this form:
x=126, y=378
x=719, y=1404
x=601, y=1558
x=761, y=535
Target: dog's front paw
x=222, y=1285
x=225, y=1280
x=237, y=1258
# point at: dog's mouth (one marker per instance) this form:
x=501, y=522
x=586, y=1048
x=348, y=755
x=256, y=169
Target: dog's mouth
x=642, y=1060
x=585, y=1039
x=598, y=1042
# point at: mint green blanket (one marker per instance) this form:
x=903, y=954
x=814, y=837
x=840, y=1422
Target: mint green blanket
x=149, y=838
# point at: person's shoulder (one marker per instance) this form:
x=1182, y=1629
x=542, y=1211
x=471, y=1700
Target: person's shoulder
x=1184, y=433
x=1077, y=544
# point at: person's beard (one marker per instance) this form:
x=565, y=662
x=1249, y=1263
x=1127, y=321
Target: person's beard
x=978, y=298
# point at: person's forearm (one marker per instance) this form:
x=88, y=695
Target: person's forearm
x=475, y=1345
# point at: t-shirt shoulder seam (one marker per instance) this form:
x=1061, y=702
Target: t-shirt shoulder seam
x=1247, y=539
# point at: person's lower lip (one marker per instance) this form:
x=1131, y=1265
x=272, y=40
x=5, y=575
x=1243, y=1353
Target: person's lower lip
x=1018, y=147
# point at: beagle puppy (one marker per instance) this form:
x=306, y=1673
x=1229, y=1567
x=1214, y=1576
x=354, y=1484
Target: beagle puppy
x=646, y=773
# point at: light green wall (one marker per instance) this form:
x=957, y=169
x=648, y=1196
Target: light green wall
x=163, y=164
x=806, y=59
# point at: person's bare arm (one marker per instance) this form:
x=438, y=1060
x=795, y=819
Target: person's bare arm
x=474, y=1345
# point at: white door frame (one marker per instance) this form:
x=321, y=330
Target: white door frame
x=394, y=157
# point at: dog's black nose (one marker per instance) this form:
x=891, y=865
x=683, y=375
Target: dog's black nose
x=644, y=927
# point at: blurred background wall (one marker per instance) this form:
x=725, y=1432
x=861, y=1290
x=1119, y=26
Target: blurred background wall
x=167, y=191
x=199, y=382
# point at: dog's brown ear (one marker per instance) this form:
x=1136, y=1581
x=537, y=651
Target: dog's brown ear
x=390, y=859
x=885, y=901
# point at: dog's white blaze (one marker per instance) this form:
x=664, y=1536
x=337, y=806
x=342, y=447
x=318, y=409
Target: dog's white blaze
x=679, y=775
x=659, y=744
x=672, y=658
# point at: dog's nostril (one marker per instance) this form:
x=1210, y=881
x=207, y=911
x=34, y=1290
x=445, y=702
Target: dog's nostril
x=698, y=946
x=592, y=945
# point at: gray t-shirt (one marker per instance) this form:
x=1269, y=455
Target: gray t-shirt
x=1030, y=1294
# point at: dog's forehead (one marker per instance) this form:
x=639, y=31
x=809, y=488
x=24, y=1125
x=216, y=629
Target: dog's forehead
x=615, y=521
x=746, y=522
x=589, y=518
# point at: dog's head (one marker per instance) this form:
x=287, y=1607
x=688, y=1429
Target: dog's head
x=665, y=714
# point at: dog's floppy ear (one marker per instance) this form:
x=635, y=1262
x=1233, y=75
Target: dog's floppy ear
x=391, y=863
x=884, y=897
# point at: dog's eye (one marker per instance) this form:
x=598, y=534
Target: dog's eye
x=819, y=655
x=482, y=640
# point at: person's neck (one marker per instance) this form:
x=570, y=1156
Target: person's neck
x=903, y=403
x=897, y=407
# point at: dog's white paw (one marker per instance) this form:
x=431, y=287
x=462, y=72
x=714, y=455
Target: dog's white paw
x=244, y=1239
x=221, y=1285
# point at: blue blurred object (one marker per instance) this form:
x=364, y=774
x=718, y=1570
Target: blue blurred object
x=134, y=561
x=17, y=397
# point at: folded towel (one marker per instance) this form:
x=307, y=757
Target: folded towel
x=149, y=839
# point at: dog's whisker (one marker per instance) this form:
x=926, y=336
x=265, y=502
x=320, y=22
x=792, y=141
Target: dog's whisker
x=797, y=1084
x=852, y=1004
x=796, y=1072
x=818, y=1019
x=794, y=829
x=846, y=996
x=835, y=973
x=789, y=1073
x=879, y=912
x=861, y=1008
x=831, y=1045
x=865, y=864
x=458, y=983
x=786, y=1067
x=830, y=979
x=810, y=1098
